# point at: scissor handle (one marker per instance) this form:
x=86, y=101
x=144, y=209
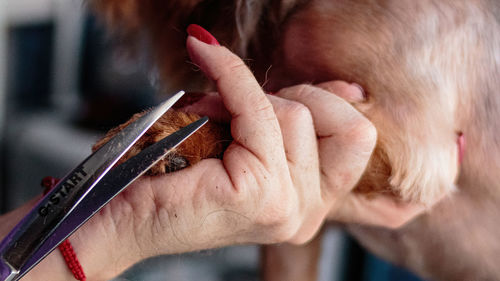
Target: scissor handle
x=28, y=235
x=111, y=185
x=7, y=273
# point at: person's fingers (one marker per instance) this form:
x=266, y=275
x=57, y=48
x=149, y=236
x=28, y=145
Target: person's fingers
x=345, y=137
x=384, y=210
x=254, y=124
x=211, y=105
x=297, y=129
x=254, y=170
x=352, y=93
x=300, y=143
x=331, y=114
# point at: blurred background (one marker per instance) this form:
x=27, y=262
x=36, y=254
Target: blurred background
x=63, y=83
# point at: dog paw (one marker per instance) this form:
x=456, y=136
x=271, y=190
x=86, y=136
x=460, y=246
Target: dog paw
x=208, y=142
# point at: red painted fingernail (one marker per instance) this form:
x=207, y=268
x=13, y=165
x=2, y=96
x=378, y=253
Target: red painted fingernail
x=202, y=34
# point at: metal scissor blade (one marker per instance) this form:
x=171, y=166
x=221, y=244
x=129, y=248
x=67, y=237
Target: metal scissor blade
x=38, y=225
x=111, y=185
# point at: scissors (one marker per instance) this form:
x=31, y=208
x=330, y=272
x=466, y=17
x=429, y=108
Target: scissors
x=84, y=191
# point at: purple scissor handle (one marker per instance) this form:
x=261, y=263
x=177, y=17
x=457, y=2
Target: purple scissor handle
x=84, y=191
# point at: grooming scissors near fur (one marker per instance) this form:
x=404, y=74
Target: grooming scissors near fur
x=84, y=191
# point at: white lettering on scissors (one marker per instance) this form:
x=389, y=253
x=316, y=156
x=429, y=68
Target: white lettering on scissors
x=67, y=186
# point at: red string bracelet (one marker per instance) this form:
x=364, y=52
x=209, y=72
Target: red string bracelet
x=65, y=247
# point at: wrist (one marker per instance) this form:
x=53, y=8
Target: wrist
x=53, y=265
x=95, y=247
x=103, y=252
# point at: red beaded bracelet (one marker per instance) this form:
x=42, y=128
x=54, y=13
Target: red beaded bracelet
x=65, y=247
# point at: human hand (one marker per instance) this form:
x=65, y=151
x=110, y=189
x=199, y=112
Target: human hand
x=345, y=139
x=271, y=186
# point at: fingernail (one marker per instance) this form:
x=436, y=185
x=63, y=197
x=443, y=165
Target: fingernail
x=363, y=93
x=189, y=99
x=202, y=34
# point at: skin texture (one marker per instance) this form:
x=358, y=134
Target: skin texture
x=430, y=71
x=425, y=83
x=233, y=200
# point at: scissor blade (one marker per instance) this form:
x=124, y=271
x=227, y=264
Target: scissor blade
x=38, y=225
x=111, y=185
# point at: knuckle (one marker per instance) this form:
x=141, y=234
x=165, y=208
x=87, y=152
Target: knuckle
x=298, y=91
x=298, y=112
x=304, y=90
x=365, y=132
x=369, y=132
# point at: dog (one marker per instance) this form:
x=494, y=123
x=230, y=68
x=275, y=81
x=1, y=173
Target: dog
x=430, y=70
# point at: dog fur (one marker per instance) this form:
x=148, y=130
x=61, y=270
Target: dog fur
x=430, y=70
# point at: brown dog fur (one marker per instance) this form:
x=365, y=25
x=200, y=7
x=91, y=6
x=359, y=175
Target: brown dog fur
x=431, y=70
x=208, y=142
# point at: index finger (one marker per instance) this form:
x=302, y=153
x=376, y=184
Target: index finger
x=254, y=124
